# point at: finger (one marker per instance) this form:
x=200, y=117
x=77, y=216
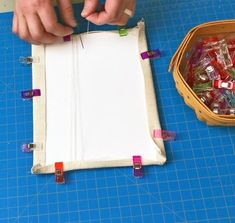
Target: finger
x=49, y=20
x=90, y=6
x=67, y=12
x=132, y=7
x=122, y=21
x=37, y=32
x=33, y=42
x=113, y=11
x=126, y=16
x=15, y=24
x=23, y=31
x=23, y=28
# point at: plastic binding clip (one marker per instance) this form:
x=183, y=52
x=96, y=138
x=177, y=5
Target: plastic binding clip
x=28, y=147
x=123, y=31
x=67, y=38
x=59, y=172
x=151, y=54
x=137, y=166
x=28, y=60
x=164, y=135
x=29, y=94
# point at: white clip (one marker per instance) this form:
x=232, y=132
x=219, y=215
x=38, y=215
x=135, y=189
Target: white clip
x=29, y=60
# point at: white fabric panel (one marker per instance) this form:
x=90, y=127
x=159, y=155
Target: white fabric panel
x=96, y=108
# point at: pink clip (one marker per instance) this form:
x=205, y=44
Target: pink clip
x=67, y=38
x=164, y=135
x=137, y=166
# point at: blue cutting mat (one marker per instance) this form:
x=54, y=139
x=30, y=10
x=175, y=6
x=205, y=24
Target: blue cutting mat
x=196, y=185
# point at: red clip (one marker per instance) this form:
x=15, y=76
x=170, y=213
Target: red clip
x=59, y=173
x=210, y=40
x=224, y=84
x=223, y=73
x=164, y=135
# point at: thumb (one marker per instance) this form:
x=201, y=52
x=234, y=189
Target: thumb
x=90, y=6
x=67, y=12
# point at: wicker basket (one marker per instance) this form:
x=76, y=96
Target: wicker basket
x=179, y=61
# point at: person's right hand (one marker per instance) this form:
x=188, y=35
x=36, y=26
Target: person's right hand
x=113, y=12
x=35, y=20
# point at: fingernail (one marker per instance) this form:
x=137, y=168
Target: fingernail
x=84, y=12
x=74, y=23
x=71, y=32
x=86, y=9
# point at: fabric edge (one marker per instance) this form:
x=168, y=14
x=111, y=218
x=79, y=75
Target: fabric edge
x=39, y=108
x=39, y=112
x=153, y=115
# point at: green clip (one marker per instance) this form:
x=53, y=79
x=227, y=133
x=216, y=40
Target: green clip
x=232, y=72
x=123, y=31
x=202, y=87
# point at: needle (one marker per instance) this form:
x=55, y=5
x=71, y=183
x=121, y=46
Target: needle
x=81, y=41
x=87, y=30
x=88, y=27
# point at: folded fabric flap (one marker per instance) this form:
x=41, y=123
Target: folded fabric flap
x=153, y=116
x=75, y=165
x=39, y=108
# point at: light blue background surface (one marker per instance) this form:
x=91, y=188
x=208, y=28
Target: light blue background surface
x=196, y=185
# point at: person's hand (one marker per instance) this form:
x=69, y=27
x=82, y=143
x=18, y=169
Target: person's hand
x=35, y=20
x=116, y=12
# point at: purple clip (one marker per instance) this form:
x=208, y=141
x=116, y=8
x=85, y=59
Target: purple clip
x=151, y=54
x=67, y=38
x=28, y=147
x=137, y=166
x=29, y=94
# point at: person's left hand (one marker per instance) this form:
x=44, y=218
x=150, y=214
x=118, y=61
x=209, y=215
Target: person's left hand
x=116, y=12
x=36, y=22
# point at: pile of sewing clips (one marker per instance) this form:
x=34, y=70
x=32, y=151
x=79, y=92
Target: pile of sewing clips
x=210, y=72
